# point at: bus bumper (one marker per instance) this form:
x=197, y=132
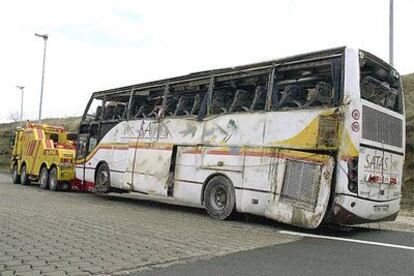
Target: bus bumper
x=349, y=210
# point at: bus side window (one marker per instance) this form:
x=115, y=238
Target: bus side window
x=259, y=99
x=94, y=112
x=294, y=95
x=221, y=101
x=109, y=111
x=119, y=111
x=321, y=95
x=184, y=105
x=98, y=114
x=195, y=108
x=170, y=106
x=156, y=105
x=240, y=92
x=242, y=101
x=303, y=85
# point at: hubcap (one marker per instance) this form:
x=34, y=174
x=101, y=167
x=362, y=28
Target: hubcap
x=103, y=177
x=52, y=179
x=43, y=177
x=218, y=198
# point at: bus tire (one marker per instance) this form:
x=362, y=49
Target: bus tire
x=103, y=179
x=15, y=175
x=219, y=197
x=54, y=184
x=44, y=178
x=24, y=179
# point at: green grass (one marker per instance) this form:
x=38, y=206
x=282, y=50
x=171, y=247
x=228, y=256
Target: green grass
x=408, y=187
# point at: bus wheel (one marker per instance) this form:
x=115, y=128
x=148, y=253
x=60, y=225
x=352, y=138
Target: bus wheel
x=102, y=179
x=53, y=181
x=24, y=179
x=15, y=175
x=44, y=178
x=219, y=198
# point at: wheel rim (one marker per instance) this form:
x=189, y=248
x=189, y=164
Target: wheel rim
x=52, y=179
x=14, y=175
x=103, y=177
x=218, y=198
x=43, y=177
x=24, y=173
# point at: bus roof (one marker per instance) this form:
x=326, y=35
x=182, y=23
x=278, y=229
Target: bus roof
x=204, y=76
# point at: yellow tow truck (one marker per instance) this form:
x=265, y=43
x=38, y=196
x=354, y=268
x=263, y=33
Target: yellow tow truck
x=43, y=153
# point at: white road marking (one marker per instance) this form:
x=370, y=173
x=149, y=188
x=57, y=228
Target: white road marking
x=346, y=240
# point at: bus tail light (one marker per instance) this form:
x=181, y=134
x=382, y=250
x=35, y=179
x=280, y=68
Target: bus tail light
x=353, y=175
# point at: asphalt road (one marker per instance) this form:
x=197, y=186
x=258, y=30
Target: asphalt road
x=67, y=233
x=354, y=251
x=308, y=256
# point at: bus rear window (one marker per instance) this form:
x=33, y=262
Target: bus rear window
x=380, y=84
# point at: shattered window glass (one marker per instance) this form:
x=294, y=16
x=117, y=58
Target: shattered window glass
x=308, y=84
x=240, y=94
x=380, y=84
x=94, y=112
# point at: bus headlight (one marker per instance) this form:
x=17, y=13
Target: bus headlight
x=353, y=175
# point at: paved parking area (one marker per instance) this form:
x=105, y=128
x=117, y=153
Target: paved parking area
x=68, y=233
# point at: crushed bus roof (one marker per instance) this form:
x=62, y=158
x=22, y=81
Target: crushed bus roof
x=204, y=76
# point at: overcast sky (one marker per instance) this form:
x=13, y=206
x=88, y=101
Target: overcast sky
x=102, y=44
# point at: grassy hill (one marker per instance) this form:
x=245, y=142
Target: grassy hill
x=408, y=188
x=72, y=123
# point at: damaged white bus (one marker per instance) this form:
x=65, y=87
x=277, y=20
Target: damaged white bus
x=310, y=139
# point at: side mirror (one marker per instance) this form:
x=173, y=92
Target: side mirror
x=71, y=136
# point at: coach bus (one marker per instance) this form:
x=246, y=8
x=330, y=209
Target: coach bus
x=305, y=140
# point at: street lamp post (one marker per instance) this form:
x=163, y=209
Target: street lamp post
x=21, y=102
x=45, y=37
x=391, y=33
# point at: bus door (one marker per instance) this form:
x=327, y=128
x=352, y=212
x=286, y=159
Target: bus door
x=86, y=142
x=81, y=151
x=149, y=161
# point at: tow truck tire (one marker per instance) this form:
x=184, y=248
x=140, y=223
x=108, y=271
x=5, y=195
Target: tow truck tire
x=44, y=178
x=103, y=179
x=54, y=184
x=24, y=179
x=219, y=198
x=15, y=175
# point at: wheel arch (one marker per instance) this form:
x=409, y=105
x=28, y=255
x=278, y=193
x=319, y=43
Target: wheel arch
x=15, y=163
x=22, y=163
x=44, y=164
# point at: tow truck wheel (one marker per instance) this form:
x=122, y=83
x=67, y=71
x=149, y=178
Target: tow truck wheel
x=53, y=181
x=15, y=175
x=24, y=179
x=44, y=178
